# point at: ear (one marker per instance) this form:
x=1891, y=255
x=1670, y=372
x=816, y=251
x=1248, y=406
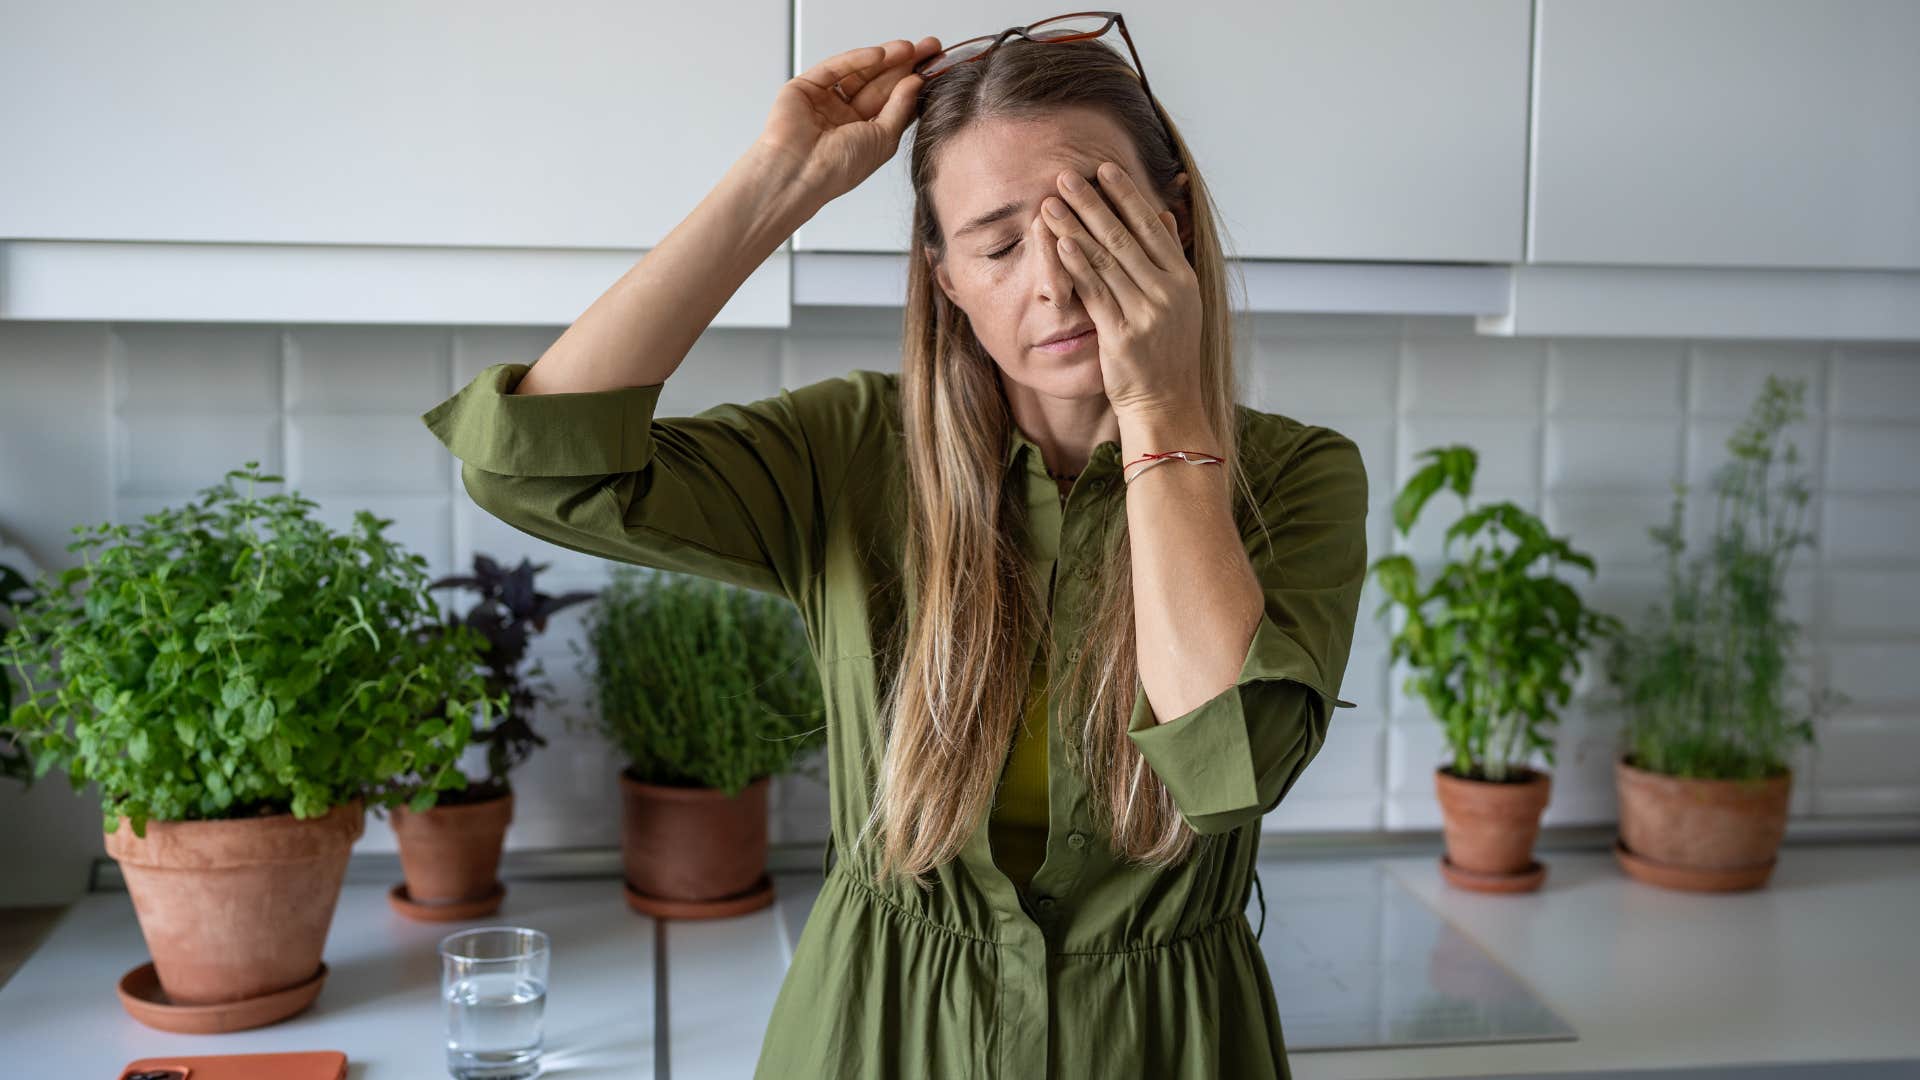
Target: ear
x=939, y=273
x=1183, y=211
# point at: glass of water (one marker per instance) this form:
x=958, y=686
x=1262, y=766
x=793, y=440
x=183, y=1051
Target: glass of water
x=493, y=982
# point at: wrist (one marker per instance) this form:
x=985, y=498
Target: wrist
x=780, y=178
x=1157, y=431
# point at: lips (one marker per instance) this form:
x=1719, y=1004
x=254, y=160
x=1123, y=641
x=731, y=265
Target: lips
x=1065, y=334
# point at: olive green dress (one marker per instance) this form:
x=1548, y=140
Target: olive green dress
x=1094, y=968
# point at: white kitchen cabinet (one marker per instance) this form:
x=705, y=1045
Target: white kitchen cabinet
x=367, y=161
x=1329, y=129
x=1727, y=133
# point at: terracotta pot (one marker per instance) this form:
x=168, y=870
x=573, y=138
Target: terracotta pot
x=232, y=910
x=1700, y=835
x=450, y=854
x=692, y=844
x=1490, y=828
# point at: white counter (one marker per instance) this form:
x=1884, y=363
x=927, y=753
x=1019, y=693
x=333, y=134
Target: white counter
x=1822, y=965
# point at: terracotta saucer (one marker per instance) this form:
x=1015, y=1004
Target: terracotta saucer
x=1521, y=881
x=145, y=1001
x=753, y=899
x=1691, y=878
x=446, y=910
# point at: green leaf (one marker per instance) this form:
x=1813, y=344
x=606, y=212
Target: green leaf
x=235, y=693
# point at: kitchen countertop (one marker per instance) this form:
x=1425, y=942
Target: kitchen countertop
x=1821, y=966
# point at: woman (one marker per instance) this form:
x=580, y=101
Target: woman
x=1064, y=679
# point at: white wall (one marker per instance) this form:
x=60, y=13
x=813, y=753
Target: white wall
x=110, y=421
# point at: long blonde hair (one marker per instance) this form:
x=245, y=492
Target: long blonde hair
x=960, y=680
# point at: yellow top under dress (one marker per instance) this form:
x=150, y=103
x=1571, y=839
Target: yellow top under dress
x=1017, y=826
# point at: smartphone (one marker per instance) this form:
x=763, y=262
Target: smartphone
x=304, y=1065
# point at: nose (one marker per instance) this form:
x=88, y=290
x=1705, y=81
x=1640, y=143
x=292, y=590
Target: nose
x=1052, y=283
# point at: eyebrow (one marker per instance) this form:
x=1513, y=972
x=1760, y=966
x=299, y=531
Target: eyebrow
x=998, y=213
x=1007, y=210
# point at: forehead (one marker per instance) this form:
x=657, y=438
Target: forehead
x=996, y=163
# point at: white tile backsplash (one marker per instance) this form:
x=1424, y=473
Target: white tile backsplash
x=1604, y=377
x=118, y=420
x=1871, y=530
x=1876, y=382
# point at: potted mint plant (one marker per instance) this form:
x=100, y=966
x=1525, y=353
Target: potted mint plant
x=707, y=690
x=1707, y=678
x=450, y=850
x=1493, y=642
x=239, y=680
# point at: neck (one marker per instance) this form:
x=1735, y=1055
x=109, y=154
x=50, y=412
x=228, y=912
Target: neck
x=1067, y=429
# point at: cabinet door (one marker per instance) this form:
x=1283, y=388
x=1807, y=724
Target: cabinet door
x=1727, y=133
x=1329, y=129
x=589, y=124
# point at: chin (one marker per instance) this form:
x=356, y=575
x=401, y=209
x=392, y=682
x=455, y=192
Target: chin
x=1082, y=379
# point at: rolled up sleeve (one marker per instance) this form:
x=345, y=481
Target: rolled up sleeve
x=1233, y=758
x=738, y=493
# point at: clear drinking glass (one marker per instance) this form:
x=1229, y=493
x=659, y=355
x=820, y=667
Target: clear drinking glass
x=493, y=981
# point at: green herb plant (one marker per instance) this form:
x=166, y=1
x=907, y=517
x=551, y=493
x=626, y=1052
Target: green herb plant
x=700, y=683
x=1495, y=639
x=15, y=763
x=1705, y=678
x=235, y=657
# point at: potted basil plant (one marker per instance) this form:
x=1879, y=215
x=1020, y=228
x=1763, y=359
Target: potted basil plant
x=1707, y=678
x=707, y=690
x=450, y=849
x=14, y=762
x=1493, y=642
x=240, y=681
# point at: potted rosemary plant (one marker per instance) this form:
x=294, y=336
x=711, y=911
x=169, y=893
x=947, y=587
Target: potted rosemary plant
x=1493, y=642
x=450, y=850
x=239, y=681
x=1703, y=780
x=707, y=690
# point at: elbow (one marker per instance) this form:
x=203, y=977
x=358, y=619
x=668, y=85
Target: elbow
x=1223, y=821
x=1285, y=724
x=490, y=491
x=569, y=511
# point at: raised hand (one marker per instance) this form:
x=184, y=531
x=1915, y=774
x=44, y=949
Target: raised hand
x=833, y=145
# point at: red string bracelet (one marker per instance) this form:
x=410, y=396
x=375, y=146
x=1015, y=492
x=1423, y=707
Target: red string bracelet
x=1193, y=457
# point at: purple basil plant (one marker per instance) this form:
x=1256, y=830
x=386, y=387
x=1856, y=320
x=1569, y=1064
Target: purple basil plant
x=508, y=613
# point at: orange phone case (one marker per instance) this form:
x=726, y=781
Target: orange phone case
x=305, y=1065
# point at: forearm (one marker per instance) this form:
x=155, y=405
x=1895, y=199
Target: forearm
x=638, y=331
x=1196, y=598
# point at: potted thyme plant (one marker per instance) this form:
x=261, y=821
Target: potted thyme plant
x=1703, y=778
x=450, y=850
x=1493, y=642
x=707, y=690
x=239, y=681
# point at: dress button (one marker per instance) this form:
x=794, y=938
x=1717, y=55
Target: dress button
x=1046, y=904
x=1073, y=654
x=1083, y=571
x=1077, y=840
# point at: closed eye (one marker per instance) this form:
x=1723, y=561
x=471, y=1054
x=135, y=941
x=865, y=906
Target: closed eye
x=1002, y=253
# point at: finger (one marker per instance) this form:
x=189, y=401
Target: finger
x=879, y=93
x=1095, y=294
x=1129, y=204
x=1065, y=221
x=902, y=106
x=1172, y=225
x=1108, y=243
x=854, y=62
